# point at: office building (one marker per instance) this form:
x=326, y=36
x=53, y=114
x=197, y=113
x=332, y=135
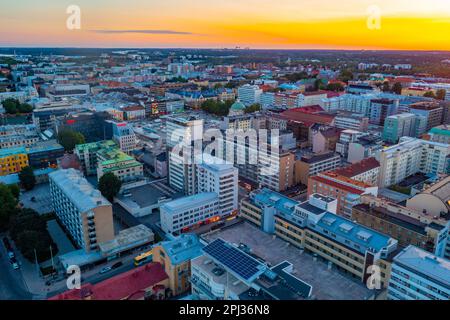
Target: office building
x=44, y=154
x=226, y=272
x=419, y=275
x=182, y=214
x=83, y=211
x=220, y=177
x=314, y=227
x=124, y=136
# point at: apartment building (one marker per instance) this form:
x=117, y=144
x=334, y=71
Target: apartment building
x=364, y=147
x=440, y=134
x=311, y=165
x=249, y=94
x=314, y=227
x=365, y=171
x=410, y=156
x=345, y=138
x=81, y=208
x=382, y=108
x=431, y=110
x=404, y=124
x=347, y=191
x=348, y=120
x=419, y=275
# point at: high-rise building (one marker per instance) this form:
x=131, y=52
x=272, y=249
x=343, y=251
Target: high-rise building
x=432, y=111
x=83, y=211
x=403, y=124
x=380, y=109
x=249, y=94
x=412, y=155
x=184, y=137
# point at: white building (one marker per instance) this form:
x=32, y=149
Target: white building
x=182, y=214
x=181, y=132
x=81, y=208
x=410, y=156
x=124, y=136
x=215, y=175
x=249, y=94
x=419, y=275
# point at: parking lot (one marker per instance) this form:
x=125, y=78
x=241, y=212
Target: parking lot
x=41, y=202
x=328, y=284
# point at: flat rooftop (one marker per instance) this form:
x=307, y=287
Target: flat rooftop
x=147, y=195
x=328, y=284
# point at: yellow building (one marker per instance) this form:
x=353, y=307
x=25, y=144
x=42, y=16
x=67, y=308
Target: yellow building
x=12, y=160
x=175, y=256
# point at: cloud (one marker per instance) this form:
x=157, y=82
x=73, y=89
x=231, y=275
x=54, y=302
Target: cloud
x=142, y=32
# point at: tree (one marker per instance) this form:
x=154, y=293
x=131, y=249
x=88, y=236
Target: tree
x=69, y=139
x=253, y=108
x=25, y=108
x=440, y=94
x=11, y=105
x=8, y=206
x=429, y=94
x=346, y=76
x=386, y=87
x=397, y=88
x=109, y=185
x=15, y=190
x=336, y=87
x=27, y=178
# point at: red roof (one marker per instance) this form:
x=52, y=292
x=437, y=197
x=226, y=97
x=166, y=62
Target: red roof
x=130, y=285
x=133, y=108
x=358, y=168
x=336, y=185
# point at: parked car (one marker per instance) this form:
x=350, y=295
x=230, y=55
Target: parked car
x=117, y=265
x=11, y=255
x=105, y=270
x=14, y=264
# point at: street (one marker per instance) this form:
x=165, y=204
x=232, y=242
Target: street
x=12, y=285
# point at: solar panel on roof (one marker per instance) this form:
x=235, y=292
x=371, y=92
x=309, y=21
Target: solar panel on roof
x=240, y=263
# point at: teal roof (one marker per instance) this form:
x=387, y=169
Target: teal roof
x=12, y=151
x=440, y=131
x=183, y=248
x=237, y=106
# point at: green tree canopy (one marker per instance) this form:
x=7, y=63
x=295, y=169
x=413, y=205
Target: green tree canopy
x=253, y=108
x=13, y=106
x=15, y=190
x=27, y=178
x=397, y=88
x=69, y=139
x=8, y=206
x=429, y=94
x=440, y=94
x=218, y=108
x=345, y=76
x=337, y=87
x=386, y=87
x=109, y=185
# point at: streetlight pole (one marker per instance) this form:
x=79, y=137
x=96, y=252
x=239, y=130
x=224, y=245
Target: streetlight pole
x=36, y=261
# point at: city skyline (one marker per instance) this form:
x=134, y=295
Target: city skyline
x=371, y=25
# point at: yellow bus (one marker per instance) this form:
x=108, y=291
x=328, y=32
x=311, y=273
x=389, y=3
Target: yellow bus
x=143, y=258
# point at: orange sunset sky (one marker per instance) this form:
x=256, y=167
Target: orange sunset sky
x=288, y=24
